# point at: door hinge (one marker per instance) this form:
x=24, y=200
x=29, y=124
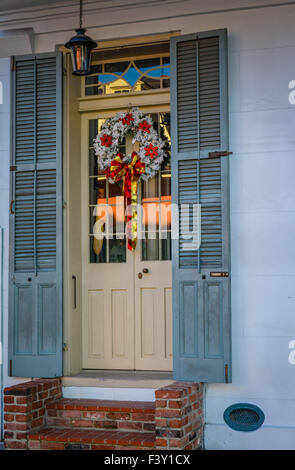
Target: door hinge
x=10, y=368
x=219, y=154
x=12, y=63
x=65, y=347
x=226, y=373
x=12, y=168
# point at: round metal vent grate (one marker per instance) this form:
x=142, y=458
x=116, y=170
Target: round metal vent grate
x=244, y=417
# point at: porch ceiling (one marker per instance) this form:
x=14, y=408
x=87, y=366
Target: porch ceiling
x=20, y=4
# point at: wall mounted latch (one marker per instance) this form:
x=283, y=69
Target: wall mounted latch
x=219, y=274
x=226, y=373
x=219, y=154
x=11, y=207
x=75, y=291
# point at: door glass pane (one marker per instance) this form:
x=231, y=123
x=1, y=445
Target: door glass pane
x=107, y=242
x=150, y=247
x=117, y=250
x=156, y=203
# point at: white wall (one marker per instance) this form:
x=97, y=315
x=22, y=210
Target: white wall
x=262, y=138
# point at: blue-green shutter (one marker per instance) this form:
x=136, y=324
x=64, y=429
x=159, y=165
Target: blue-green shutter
x=35, y=298
x=199, y=114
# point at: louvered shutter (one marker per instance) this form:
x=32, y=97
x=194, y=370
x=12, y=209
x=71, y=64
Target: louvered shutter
x=201, y=278
x=35, y=307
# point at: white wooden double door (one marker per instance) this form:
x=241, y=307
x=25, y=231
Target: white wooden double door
x=127, y=295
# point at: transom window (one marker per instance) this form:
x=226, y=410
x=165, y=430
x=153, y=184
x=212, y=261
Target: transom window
x=125, y=74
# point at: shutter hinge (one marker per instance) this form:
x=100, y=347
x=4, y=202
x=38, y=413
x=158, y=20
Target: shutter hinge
x=65, y=347
x=219, y=154
x=12, y=168
x=226, y=373
x=12, y=63
x=10, y=368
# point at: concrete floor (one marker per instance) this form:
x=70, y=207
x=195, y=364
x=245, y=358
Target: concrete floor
x=118, y=379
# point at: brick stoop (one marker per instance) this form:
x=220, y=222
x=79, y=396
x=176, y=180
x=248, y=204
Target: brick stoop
x=37, y=417
x=89, y=439
x=101, y=414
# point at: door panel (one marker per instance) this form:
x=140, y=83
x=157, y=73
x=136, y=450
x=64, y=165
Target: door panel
x=108, y=287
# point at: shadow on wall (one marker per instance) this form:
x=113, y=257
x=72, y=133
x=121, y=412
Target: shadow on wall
x=1, y=92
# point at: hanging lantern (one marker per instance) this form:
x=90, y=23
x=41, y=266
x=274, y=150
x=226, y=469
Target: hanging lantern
x=80, y=47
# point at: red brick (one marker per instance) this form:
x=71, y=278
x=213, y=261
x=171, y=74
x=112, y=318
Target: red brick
x=175, y=423
x=107, y=424
x=188, y=428
x=103, y=447
x=16, y=426
x=9, y=417
x=176, y=403
x=37, y=422
x=16, y=408
x=161, y=422
x=161, y=403
x=175, y=443
x=9, y=444
x=70, y=414
x=21, y=418
x=22, y=400
x=149, y=426
x=43, y=395
x=9, y=399
x=50, y=445
x=51, y=413
x=168, y=413
x=168, y=393
x=142, y=417
x=8, y=435
x=37, y=404
x=82, y=423
x=120, y=416
x=129, y=425
x=192, y=398
x=92, y=414
x=21, y=435
x=161, y=443
x=34, y=445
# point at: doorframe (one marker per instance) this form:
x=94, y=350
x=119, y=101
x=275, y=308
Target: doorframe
x=74, y=107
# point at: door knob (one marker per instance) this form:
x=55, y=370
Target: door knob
x=145, y=270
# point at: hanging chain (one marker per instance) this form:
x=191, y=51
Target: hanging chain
x=80, y=14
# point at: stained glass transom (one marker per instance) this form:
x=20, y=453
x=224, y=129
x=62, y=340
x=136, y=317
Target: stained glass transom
x=127, y=76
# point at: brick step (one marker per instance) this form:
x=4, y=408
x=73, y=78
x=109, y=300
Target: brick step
x=89, y=439
x=101, y=414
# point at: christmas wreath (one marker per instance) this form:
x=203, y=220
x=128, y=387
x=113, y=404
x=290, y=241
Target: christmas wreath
x=151, y=147
x=143, y=164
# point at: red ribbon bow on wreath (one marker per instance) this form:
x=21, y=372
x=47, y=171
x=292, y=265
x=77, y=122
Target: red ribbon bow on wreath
x=130, y=173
